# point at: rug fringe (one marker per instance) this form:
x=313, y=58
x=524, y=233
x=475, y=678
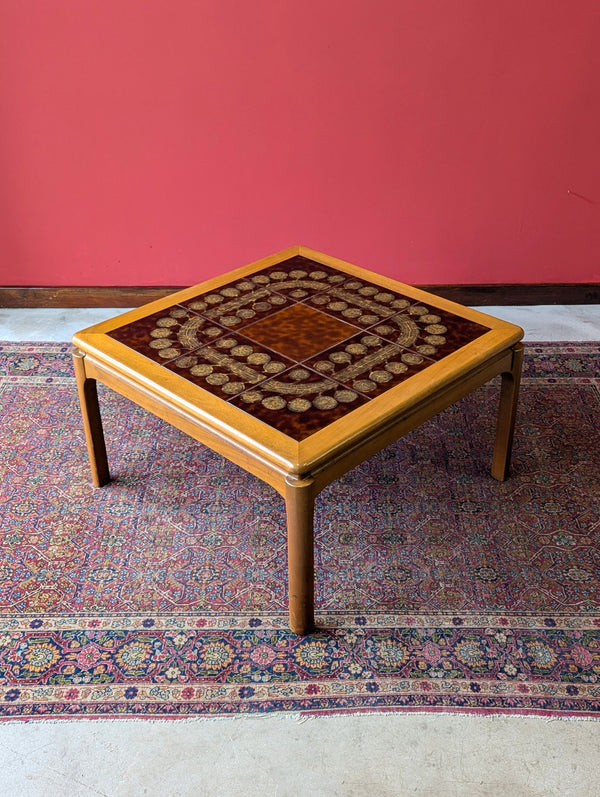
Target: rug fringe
x=302, y=718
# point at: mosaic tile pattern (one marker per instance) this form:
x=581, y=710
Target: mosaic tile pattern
x=229, y=365
x=298, y=345
x=300, y=401
x=430, y=332
x=368, y=364
x=165, y=335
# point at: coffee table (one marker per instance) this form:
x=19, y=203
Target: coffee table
x=297, y=368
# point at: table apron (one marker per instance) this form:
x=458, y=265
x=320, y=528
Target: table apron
x=176, y=416
x=331, y=466
x=357, y=451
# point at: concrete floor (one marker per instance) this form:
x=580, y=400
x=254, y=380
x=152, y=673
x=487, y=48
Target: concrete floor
x=447, y=755
x=547, y=322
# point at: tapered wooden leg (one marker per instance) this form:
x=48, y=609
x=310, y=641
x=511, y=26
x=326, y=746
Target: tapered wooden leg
x=299, y=503
x=92, y=422
x=509, y=398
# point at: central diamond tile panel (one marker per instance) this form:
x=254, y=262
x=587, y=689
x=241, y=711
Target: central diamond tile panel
x=299, y=332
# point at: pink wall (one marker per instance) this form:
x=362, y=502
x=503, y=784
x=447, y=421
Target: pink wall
x=164, y=141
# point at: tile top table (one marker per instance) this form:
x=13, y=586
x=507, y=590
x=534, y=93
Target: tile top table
x=297, y=368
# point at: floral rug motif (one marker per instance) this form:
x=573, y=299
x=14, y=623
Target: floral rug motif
x=164, y=594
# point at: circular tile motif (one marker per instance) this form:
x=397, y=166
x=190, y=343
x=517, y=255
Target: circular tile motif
x=169, y=354
x=325, y=403
x=274, y=367
x=273, y=403
x=258, y=358
x=380, y=376
x=364, y=385
x=201, y=370
x=345, y=396
x=299, y=405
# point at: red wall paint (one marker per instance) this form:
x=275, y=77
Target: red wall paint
x=164, y=141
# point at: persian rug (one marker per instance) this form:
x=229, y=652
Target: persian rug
x=164, y=594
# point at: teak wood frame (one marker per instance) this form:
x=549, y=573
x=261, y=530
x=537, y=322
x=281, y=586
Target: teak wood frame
x=298, y=470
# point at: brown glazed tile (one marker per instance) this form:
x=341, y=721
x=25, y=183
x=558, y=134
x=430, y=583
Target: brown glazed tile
x=360, y=303
x=429, y=331
x=298, y=278
x=368, y=364
x=299, y=331
x=299, y=402
x=167, y=334
x=237, y=304
x=229, y=365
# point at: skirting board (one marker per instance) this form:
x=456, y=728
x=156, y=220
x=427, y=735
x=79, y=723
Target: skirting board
x=470, y=295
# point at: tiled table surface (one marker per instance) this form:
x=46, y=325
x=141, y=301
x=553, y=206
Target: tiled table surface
x=298, y=345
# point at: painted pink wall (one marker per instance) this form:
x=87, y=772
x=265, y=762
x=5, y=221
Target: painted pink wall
x=164, y=141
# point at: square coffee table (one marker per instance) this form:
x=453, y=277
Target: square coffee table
x=297, y=368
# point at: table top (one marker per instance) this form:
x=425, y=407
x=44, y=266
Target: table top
x=298, y=352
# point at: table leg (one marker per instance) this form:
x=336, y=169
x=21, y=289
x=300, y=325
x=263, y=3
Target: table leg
x=92, y=422
x=509, y=398
x=299, y=503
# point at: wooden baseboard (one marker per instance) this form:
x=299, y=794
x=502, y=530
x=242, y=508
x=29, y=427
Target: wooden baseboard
x=551, y=293
x=83, y=296
x=470, y=295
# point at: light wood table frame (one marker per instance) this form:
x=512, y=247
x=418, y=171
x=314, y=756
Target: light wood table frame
x=300, y=464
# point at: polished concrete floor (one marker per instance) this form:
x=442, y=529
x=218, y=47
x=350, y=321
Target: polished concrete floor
x=384, y=755
x=548, y=322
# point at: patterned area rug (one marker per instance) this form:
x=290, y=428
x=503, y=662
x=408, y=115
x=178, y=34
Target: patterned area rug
x=164, y=594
